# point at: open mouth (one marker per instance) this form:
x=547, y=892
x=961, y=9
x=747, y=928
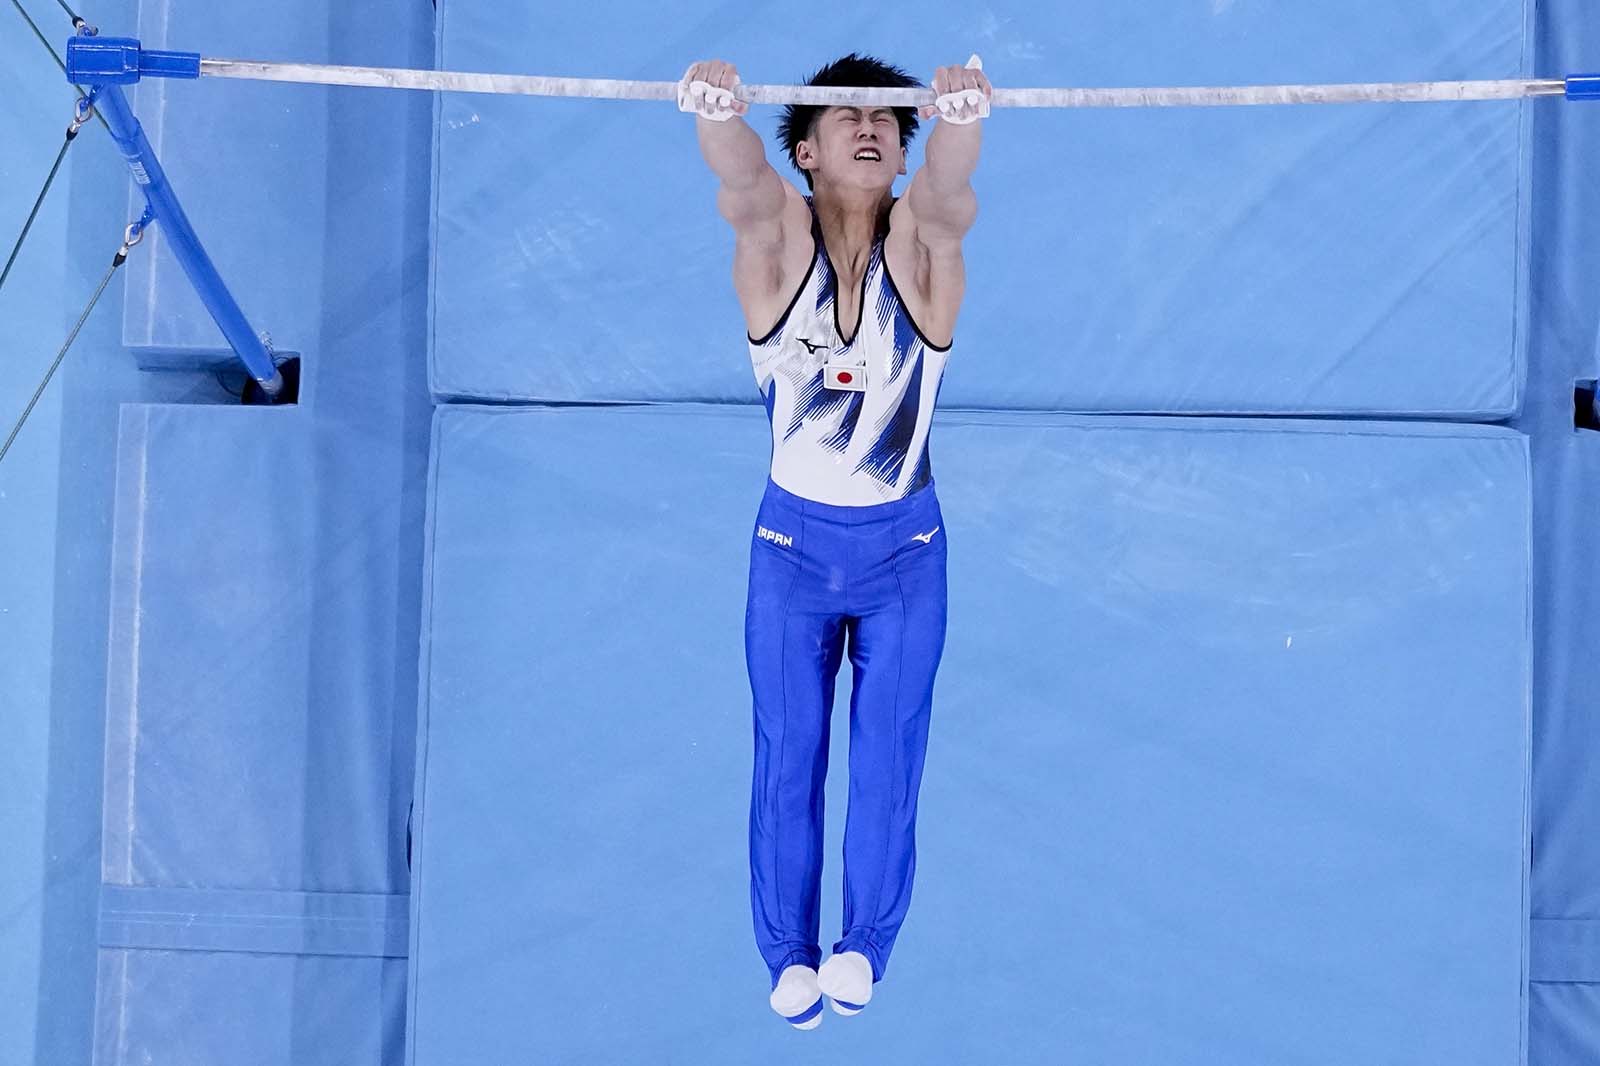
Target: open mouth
x=868, y=155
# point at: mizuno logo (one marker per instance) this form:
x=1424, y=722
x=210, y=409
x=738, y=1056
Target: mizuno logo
x=813, y=349
x=926, y=538
x=777, y=538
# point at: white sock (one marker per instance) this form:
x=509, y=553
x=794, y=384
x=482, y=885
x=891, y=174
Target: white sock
x=846, y=976
x=797, y=990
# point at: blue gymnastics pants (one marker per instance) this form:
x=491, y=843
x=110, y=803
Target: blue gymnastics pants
x=824, y=578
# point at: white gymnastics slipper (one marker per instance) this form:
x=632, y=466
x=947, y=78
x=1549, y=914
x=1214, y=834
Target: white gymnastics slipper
x=797, y=997
x=846, y=979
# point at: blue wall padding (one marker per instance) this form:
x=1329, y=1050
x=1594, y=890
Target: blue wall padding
x=34, y=304
x=1562, y=1029
x=241, y=769
x=250, y=163
x=1564, y=889
x=1228, y=760
x=249, y=1009
x=1564, y=949
x=257, y=772
x=283, y=923
x=1337, y=260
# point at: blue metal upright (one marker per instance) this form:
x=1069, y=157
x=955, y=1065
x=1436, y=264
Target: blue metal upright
x=107, y=63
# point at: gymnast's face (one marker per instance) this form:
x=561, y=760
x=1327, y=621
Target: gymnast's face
x=840, y=134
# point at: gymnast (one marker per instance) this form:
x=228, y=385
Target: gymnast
x=850, y=297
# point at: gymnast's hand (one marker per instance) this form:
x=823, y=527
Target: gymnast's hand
x=707, y=90
x=964, y=94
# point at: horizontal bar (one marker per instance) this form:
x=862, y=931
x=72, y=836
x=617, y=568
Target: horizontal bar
x=527, y=85
x=121, y=60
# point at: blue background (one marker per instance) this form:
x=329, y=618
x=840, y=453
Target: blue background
x=1232, y=745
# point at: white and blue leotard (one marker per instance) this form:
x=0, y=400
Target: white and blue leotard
x=839, y=447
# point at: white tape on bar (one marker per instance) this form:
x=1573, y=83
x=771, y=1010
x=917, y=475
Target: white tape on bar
x=603, y=89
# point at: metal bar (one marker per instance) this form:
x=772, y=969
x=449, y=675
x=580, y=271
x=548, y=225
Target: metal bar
x=122, y=60
x=595, y=88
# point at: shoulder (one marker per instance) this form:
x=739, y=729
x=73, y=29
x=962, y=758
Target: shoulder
x=769, y=278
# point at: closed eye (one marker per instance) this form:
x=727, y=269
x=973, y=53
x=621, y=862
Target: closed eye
x=850, y=114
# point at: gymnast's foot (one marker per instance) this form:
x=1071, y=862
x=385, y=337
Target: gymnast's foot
x=846, y=979
x=797, y=997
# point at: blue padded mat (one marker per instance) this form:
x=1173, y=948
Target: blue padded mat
x=253, y=908
x=1337, y=260
x=1228, y=758
x=249, y=1009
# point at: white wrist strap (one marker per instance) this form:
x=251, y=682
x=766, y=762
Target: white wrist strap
x=706, y=100
x=965, y=105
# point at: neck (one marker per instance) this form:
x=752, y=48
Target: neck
x=850, y=219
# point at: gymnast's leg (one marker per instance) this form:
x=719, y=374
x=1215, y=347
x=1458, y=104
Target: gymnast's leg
x=794, y=642
x=895, y=646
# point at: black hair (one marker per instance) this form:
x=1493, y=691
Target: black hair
x=852, y=70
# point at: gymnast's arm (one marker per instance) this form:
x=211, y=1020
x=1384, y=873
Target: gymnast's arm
x=752, y=197
x=941, y=199
x=941, y=206
x=763, y=209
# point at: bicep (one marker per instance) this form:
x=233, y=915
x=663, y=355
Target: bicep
x=941, y=270
x=756, y=211
x=940, y=216
x=761, y=249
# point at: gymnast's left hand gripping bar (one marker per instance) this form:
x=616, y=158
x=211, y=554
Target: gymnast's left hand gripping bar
x=107, y=63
